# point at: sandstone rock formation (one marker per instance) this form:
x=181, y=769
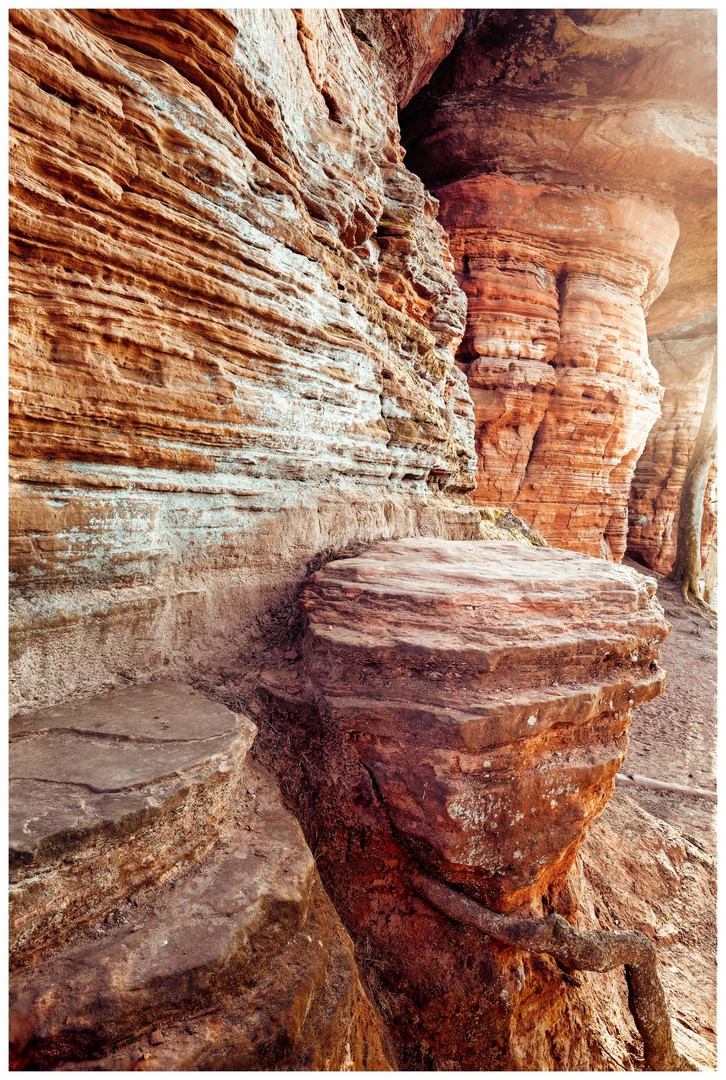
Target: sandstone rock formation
x=683, y=358
x=167, y=912
x=569, y=150
x=556, y=348
x=233, y=329
x=409, y=43
x=241, y=354
x=450, y=699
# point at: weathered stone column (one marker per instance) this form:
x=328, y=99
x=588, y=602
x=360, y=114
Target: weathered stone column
x=682, y=357
x=570, y=150
x=464, y=709
x=556, y=350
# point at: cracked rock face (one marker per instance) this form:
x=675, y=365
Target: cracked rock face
x=167, y=913
x=469, y=703
x=234, y=324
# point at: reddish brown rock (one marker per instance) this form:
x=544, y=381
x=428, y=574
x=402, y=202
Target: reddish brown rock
x=177, y=917
x=233, y=330
x=683, y=358
x=84, y=782
x=623, y=100
x=556, y=348
x=463, y=707
x=570, y=150
x=408, y=43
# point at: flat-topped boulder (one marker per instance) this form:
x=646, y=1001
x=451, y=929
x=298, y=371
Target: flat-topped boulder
x=461, y=709
x=489, y=687
x=243, y=964
x=166, y=910
x=90, y=779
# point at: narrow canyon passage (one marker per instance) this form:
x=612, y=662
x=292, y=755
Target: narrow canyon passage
x=357, y=361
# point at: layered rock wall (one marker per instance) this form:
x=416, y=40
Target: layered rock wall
x=570, y=151
x=233, y=328
x=556, y=349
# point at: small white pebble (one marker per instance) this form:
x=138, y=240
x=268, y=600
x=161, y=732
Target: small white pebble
x=532, y=721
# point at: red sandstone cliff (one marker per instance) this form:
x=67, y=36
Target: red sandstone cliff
x=233, y=328
x=570, y=151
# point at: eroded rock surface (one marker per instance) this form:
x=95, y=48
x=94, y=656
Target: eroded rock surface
x=639, y=873
x=556, y=349
x=410, y=43
x=570, y=151
x=167, y=911
x=683, y=357
x=234, y=321
x=463, y=707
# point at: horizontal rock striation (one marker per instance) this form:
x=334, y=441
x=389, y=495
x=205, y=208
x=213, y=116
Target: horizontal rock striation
x=234, y=321
x=570, y=151
x=464, y=709
x=409, y=43
x=683, y=358
x=167, y=913
x=555, y=349
x=86, y=779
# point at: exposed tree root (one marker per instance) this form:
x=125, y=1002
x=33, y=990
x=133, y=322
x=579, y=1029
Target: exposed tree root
x=578, y=950
x=637, y=781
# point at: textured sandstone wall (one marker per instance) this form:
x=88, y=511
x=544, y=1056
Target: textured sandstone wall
x=233, y=329
x=683, y=357
x=556, y=348
x=570, y=151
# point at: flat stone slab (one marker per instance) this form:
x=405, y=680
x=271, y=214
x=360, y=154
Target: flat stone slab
x=243, y=963
x=110, y=793
x=153, y=712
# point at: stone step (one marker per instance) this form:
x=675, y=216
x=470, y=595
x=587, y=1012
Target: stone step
x=168, y=913
x=109, y=795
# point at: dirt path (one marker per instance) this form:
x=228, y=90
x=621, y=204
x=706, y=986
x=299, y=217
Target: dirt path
x=673, y=738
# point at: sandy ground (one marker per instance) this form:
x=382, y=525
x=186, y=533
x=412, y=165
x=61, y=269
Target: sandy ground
x=673, y=738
